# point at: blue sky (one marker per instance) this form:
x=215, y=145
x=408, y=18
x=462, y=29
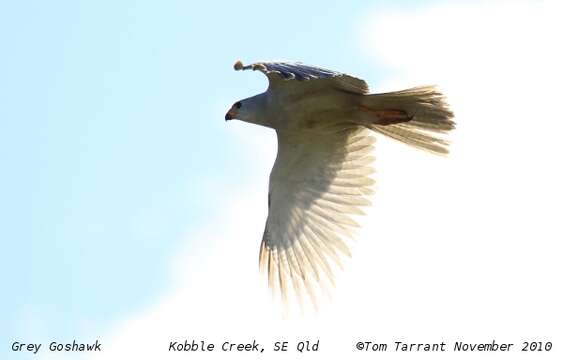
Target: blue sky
x=112, y=131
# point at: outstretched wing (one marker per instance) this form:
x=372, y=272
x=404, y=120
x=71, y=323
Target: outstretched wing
x=318, y=180
x=279, y=73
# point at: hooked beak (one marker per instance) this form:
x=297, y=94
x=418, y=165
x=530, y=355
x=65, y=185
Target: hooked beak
x=230, y=115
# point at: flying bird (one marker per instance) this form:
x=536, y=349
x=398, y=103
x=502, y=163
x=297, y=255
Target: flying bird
x=321, y=177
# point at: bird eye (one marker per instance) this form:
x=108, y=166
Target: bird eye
x=238, y=105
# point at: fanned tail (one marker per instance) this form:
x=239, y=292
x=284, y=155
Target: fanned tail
x=419, y=117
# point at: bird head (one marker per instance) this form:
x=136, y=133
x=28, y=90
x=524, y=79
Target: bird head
x=233, y=112
x=251, y=110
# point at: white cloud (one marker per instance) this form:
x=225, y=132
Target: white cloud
x=465, y=248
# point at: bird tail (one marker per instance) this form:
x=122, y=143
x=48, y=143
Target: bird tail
x=419, y=117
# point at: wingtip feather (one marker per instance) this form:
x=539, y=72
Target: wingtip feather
x=238, y=65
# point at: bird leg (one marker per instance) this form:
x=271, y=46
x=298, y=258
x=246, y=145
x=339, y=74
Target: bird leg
x=388, y=117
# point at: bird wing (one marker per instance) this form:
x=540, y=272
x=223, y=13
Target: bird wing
x=318, y=180
x=297, y=74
